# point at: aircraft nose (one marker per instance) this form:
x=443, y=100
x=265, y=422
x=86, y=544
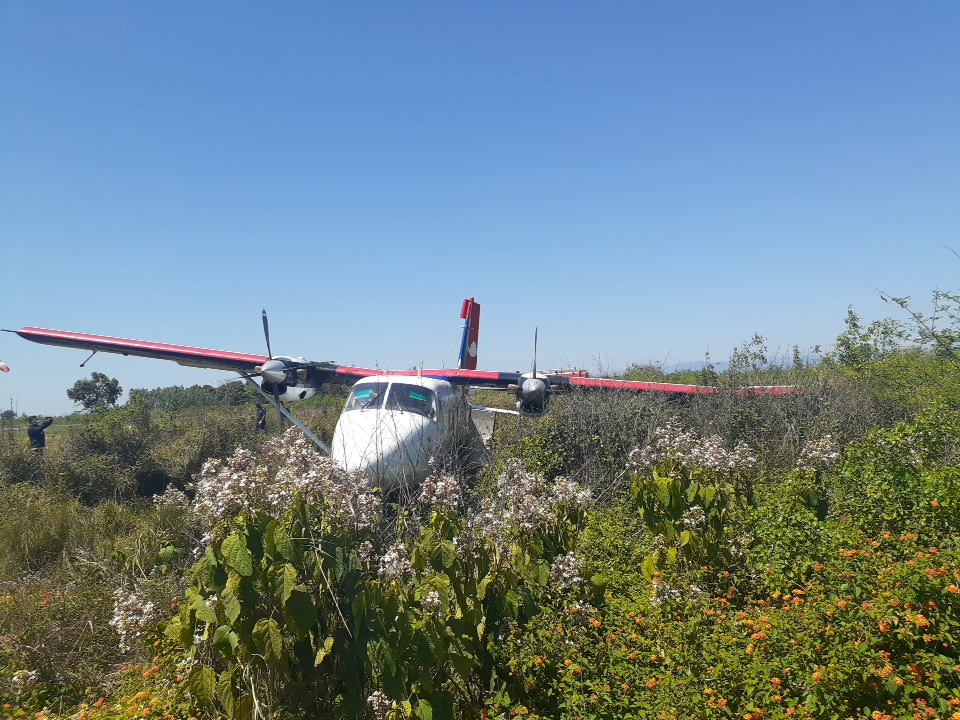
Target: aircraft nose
x=391, y=449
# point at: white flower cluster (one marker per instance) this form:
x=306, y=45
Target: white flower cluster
x=365, y=551
x=671, y=442
x=289, y=466
x=431, y=603
x=663, y=594
x=565, y=571
x=380, y=704
x=131, y=617
x=171, y=497
x=440, y=492
x=24, y=680
x=820, y=454
x=572, y=494
x=523, y=502
x=695, y=518
x=395, y=563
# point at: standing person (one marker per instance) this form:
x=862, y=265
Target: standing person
x=38, y=438
x=261, y=418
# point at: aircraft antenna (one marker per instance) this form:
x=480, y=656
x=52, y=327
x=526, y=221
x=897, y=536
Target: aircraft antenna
x=535, y=330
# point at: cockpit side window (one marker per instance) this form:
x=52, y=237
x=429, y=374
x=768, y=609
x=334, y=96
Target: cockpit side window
x=412, y=398
x=368, y=396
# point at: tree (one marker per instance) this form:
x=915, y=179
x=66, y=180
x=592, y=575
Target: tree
x=99, y=391
x=8, y=415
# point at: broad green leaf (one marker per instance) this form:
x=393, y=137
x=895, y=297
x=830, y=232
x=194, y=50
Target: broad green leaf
x=203, y=684
x=225, y=640
x=300, y=613
x=649, y=567
x=709, y=494
x=286, y=581
x=174, y=628
x=424, y=710
x=204, y=572
x=283, y=543
x=204, y=613
x=167, y=554
x=244, y=708
x=237, y=556
x=231, y=603
x=392, y=675
x=482, y=586
x=685, y=537
x=269, y=640
x=225, y=692
x=324, y=651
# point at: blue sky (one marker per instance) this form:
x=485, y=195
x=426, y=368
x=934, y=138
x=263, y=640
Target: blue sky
x=643, y=181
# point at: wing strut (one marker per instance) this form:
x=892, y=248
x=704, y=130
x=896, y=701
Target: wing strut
x=286, y=413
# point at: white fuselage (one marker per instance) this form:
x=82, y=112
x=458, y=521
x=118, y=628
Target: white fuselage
x=391, y=427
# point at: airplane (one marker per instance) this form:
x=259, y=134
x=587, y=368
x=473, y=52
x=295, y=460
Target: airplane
x=393, y=422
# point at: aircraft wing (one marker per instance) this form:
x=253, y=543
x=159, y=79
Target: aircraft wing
x=672, y=388
x=182, y=354
x=638, y=386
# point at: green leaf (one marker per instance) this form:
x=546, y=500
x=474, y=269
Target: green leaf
x=283, y=543
x=300, y=613
x=231, y=602
x=424, y=710
x=269, y=640
x=482, y=586
x=204, y=572
x=167, y=554
x=236, y=554
x=649, y=566
x=392, y=675
x=203, y=683
x=204, y=613
x=286, y=580
x=448, y=553
x=324, y=651
x=225, y=640
x=244, y=707
x=225, y=692
x=685, y=537
x=708, y=494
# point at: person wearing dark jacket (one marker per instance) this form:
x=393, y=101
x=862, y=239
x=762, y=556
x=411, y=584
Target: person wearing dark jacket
x=38, y=438
x=261, y=418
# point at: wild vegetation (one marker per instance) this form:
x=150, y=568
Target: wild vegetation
x=625, y=556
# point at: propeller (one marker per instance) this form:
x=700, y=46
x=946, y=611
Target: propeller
x=272, y=371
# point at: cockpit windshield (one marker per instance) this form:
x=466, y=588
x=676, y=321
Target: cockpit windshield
x=412, y=398
x=403, y=397
x=368, y=396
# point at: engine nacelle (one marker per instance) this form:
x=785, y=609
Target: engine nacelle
x=290, y=393
x=291, y=383
x=533, y=394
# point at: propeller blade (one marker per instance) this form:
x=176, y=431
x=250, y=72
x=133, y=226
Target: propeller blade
x=276, y=400
x=266, y=334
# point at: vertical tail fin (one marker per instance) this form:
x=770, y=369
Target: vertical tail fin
x=470, y=314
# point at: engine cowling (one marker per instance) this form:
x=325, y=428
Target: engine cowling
x=533, y=394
